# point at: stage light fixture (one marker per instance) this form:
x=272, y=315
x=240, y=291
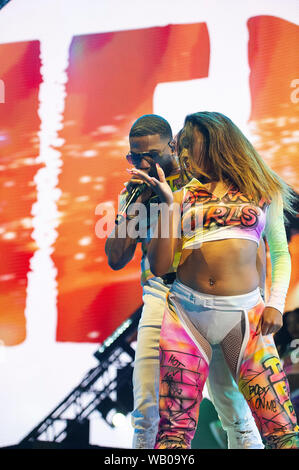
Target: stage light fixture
x=112, y=412
x=118, y=419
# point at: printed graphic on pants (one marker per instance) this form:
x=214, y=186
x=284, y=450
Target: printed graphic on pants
x=264, y=384
x=183, y=372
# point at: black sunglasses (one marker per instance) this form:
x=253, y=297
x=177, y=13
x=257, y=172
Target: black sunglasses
x=135, y=158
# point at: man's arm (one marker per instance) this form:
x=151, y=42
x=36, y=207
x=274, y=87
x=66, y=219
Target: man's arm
x=119, y=250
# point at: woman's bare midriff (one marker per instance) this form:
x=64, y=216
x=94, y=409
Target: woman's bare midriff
x=222, y=267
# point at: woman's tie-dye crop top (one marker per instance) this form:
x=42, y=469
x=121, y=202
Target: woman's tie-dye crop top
x=205, y=217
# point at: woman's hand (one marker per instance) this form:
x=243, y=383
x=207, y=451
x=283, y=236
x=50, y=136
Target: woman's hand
x=145, y=195
x=271, y=321
x=159, y=186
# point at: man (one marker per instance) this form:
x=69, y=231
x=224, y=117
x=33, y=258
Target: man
x=150, y=143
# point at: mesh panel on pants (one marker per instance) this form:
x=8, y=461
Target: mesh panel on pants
x=232, y=344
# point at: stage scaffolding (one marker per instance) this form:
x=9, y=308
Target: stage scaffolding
x=105, y=387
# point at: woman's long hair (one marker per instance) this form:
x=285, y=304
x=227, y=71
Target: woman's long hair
x=224, y=154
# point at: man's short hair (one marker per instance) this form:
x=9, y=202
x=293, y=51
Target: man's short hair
x=151, y=124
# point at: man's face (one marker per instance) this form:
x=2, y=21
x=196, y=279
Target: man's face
x=148, y=150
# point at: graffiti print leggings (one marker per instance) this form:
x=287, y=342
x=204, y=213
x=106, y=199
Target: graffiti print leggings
x=193, y=322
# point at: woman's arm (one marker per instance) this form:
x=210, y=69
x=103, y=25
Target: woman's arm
x=280, y=256
x=162, y=247
x=281, y=268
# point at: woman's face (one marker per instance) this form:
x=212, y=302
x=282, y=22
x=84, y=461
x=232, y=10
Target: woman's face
x=197, y=149
x=190, y=147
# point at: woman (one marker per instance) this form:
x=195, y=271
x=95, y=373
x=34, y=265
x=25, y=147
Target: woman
x=215, y=298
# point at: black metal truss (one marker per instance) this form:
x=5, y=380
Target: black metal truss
x=115, y=354
x=3, y=3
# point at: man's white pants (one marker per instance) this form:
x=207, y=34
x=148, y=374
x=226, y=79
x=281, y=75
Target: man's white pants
x=232, y=408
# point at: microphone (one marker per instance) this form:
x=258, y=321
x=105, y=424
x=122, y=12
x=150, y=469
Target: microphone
x=134, y=193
